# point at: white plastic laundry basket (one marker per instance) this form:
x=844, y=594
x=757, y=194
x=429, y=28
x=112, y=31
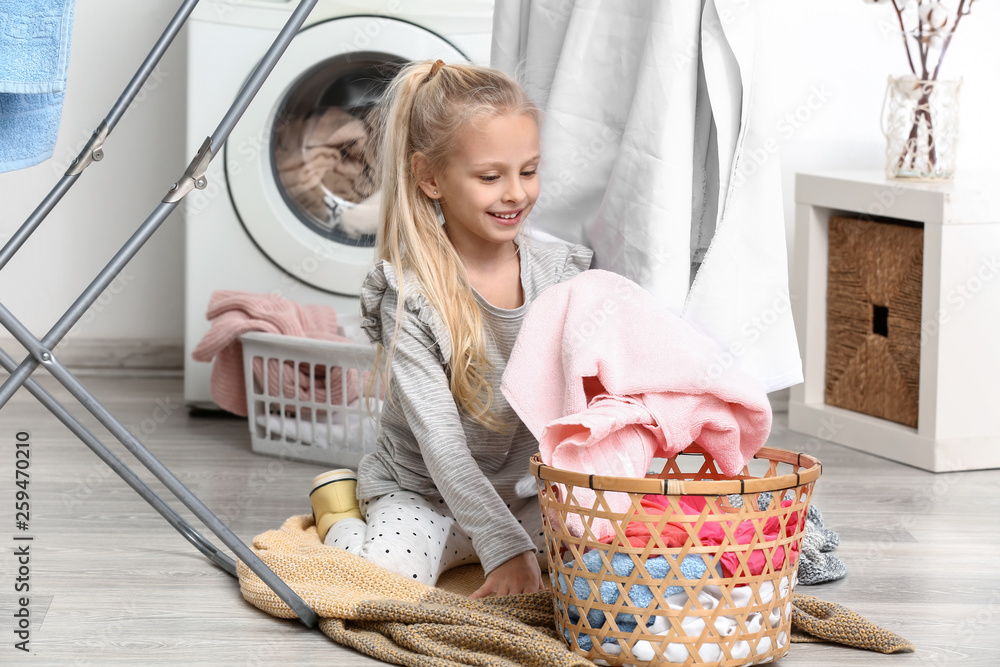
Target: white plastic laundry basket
x=306, y=398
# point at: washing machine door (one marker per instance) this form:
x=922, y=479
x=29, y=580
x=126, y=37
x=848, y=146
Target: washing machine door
x=299, y=163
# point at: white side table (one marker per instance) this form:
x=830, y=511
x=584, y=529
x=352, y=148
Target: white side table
x=958, y=426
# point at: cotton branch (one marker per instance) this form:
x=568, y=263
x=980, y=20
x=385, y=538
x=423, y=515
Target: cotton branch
x=923, y=44
x=958, y=17
x=906, y=43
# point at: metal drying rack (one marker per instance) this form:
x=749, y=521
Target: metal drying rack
x=40, y=351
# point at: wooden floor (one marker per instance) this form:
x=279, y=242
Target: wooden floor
x=112, y=583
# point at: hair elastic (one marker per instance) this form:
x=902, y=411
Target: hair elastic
x=434, y=69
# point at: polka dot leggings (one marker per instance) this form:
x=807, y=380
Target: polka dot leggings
x=419, y=538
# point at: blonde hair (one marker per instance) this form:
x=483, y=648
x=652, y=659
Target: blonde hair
x=425, y=108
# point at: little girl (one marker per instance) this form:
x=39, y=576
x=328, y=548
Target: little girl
x=448, y=481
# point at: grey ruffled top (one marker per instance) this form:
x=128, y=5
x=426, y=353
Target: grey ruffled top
x=425, y=444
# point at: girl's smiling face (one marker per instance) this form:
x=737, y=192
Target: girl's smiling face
x=490, y=183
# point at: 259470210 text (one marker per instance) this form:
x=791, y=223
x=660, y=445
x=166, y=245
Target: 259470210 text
x=22, y=540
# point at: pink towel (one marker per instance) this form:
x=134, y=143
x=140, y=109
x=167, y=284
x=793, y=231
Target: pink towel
x=234, y=313
x=607, y=379
x=597, y=355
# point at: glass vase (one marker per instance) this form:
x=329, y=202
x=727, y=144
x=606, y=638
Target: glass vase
x=920, y=123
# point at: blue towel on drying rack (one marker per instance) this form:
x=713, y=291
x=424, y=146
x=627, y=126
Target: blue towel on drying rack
x=34, y=54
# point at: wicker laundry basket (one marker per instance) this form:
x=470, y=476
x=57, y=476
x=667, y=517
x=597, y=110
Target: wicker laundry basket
x=306, y=398
x=873, y=318
x=621, y=604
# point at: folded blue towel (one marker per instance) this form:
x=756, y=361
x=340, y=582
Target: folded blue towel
x=692, y=567
x=34, y=54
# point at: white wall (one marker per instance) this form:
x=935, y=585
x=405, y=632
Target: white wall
x=834, y=56
x=825, y=64
x=143, y=157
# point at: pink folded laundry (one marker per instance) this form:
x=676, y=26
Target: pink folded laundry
x=607, y=379
x=233, y=313
x=308, y=382
x=623, y=424
x=712, y=534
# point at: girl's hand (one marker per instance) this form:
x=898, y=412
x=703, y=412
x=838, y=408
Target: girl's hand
x=520, y=574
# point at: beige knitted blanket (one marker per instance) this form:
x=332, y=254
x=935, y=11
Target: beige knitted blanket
x=395, y=620
x=403, y=622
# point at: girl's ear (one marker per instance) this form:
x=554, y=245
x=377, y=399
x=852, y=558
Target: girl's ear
x=421, y=167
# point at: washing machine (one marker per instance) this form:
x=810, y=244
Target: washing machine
x=290, y=199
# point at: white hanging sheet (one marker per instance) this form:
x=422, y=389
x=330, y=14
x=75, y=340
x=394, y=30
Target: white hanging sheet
x=651, y=158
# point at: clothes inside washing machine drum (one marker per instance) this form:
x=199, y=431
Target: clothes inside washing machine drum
x=325, y=163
